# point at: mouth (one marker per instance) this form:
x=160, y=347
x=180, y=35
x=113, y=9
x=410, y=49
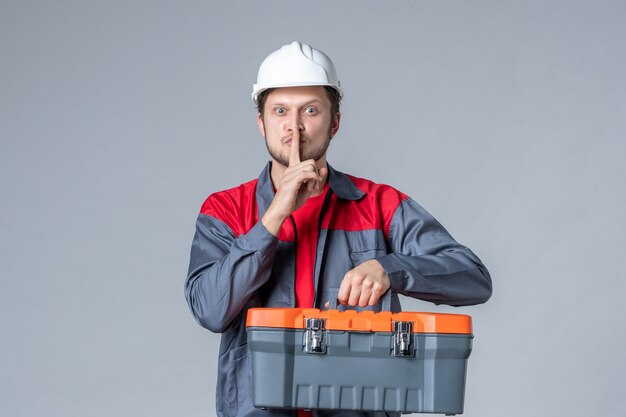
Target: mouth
x=287, y=141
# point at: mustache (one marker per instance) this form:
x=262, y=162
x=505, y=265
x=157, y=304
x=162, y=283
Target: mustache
x=303, y=138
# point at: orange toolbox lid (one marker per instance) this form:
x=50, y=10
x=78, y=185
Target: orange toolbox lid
x=293, y=318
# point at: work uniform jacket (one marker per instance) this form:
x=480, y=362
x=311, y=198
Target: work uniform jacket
x=236, y=264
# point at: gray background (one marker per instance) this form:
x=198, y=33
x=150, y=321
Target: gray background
x=506, y=120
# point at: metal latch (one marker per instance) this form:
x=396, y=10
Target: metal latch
x=315, y=335
x=402, y=338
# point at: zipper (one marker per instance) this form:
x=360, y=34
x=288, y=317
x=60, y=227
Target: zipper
x=325, y=204
x=295, y=258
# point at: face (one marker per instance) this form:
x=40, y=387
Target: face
x=304, y=108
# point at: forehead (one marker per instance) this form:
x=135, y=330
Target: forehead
x=298, y=95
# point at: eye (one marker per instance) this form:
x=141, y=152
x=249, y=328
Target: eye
x=279, y=110
x=310, y=110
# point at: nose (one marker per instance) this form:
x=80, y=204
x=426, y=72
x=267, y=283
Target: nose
x=296, y=123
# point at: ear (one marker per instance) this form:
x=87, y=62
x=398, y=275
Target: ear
x=334, y=124
x=259, y=122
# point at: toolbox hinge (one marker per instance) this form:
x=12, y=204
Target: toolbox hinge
x=402, y=338
x=315, y=335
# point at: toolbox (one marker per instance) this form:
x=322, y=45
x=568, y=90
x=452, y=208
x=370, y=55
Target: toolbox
x=395, y=362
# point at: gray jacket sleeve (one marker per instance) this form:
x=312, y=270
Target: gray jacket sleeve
x=224, y=270
x=427, y=263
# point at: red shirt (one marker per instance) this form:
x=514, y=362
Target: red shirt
x=307, y=232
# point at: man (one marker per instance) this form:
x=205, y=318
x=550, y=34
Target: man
x=306, y=235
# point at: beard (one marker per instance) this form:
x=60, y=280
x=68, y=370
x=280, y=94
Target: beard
x=307, y=151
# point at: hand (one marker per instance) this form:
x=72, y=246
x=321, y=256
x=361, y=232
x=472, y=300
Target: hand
x=364, y=285
x=300, y=180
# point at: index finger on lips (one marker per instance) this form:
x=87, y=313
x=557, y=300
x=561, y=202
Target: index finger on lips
x=294, y=156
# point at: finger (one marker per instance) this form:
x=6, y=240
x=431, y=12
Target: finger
x=344, y=290
x=306, y=182
x=376, y=294
x=323, y=172
x=365, y=297
x=294, y=156
x=366, y=292
x=304, y=169
x=355, y=295
x=299, y=180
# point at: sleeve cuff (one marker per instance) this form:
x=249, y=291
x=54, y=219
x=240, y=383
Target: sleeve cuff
x=258, y=238
x=394, y=270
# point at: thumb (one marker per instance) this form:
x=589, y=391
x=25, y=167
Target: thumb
x=323, y=173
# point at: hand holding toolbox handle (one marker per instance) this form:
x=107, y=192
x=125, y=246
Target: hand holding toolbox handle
x=385, y=301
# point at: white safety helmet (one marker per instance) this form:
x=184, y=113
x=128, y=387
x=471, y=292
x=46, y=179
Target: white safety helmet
x=295, y=65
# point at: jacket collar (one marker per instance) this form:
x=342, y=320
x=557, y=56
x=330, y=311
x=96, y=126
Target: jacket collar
x=339, y=183
x=342, y=185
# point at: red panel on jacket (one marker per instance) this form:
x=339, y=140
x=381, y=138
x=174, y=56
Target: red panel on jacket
x=236, y=207
x=374, y=211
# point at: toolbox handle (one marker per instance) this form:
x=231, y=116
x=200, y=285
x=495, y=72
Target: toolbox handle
x=385, y=301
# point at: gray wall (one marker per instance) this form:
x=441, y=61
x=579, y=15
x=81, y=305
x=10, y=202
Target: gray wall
x=506, y=120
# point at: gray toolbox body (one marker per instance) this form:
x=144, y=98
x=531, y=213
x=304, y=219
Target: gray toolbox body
x=341, y=362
